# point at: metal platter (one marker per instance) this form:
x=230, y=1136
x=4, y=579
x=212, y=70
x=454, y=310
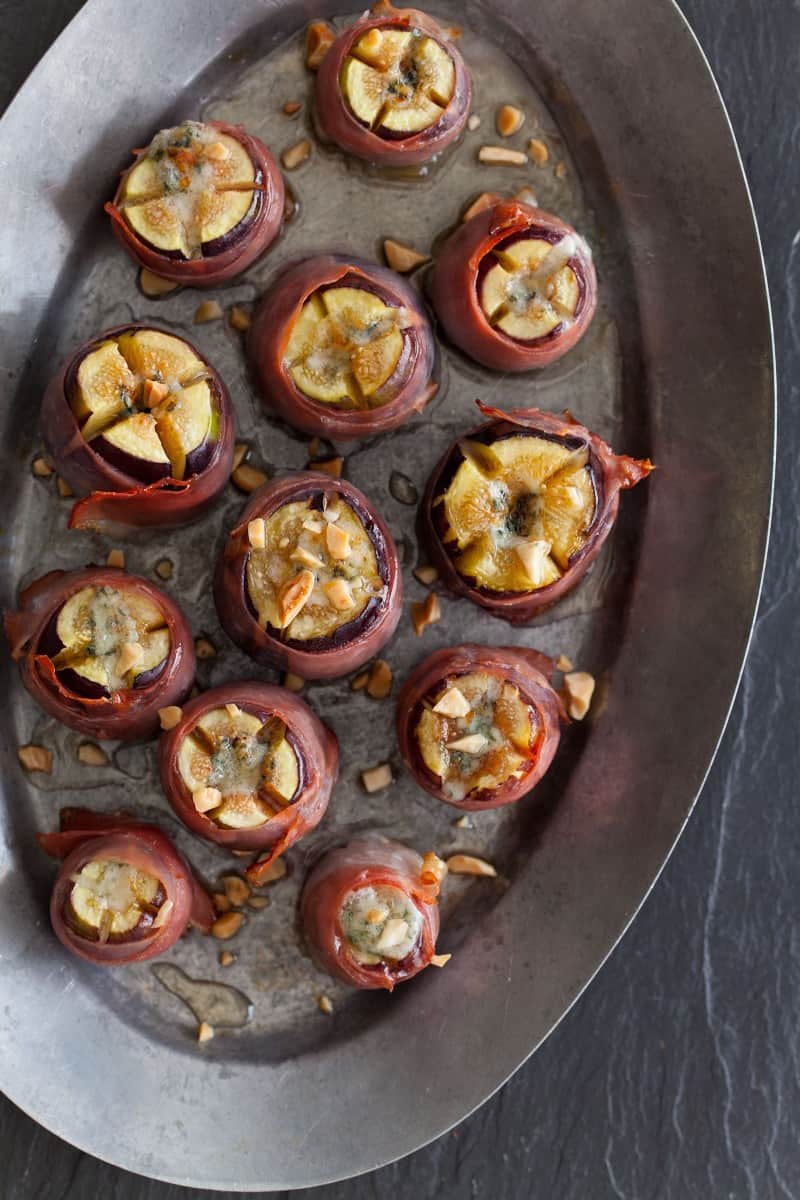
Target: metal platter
x=677, y=365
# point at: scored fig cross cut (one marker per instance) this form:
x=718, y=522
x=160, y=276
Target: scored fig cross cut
x=397, y=81
x=530, y=289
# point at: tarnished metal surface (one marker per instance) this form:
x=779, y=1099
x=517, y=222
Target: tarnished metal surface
x=677, y=365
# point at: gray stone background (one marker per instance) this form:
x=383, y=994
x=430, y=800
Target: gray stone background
x=677, y=1075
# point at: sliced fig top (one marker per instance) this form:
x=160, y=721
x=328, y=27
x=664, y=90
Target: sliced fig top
x=114, y=901
x=529, y=284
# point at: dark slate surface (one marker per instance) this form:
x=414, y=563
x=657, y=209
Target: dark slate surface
x=677, y=1074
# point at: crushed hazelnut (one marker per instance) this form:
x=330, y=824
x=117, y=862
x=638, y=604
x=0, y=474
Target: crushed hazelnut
x=433, y=869
x=236, y=889
x=258, y=902
x=560, y=170
x=233, y=711
x=291, y=107
x=563, y=663
x=329, y=466
x=227, y=925
x=527, y=195
x=379, y=683
x=472, y=743
x=376, y=915
x=509, y=120
x=339, y=594
x=240, y=451
x=295, y=155
x=239, y=318
x=473, y=122
x=170, y=716
x=319, y=39
x=153, y=285
x=313, y=525
x=226, y=959
x=467, y=864
x=205, y=1032
x=376, y=778
x=325, y=1004
x=393, y=933
x=534, y=556
x=293, y=683
x=578, y=692
x=538, y=151
x=163, y=568
x=338, y=542
x=64, y=490
x=452, y=704
x=275, y=871
x=402, y=258
x=92, y=755
x=154, y=393
x=440, y=960
x=206, y=798
x=463, y=822
x=359, y=682
x=130, y=656
x=257, y=533
x=293, y=596
x=204, y=648
x=301, y=555
x=163, y=914
x=485, y=200
x=426, y=575
x=247, y=478
x=426, y=612
x=36, y=758
x=41, y=467
x=218, y=151
x=502, y=156
x=207, y=310
x=221, y=902
x=116, y=558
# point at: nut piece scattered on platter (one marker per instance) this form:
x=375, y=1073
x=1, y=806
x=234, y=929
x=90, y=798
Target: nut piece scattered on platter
x=478, y=725
x=141, y=425
x=200, y=204
x=250, y=767
x=309, y=580
x=342, y=348
x=514, y=287
x=102, y=650
x=392, y=89
x=123, y=893
x=516, y=511
x=370, y=912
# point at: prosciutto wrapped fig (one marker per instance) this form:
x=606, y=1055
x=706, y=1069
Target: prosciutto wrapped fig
x=309, y=580
x=370, y=912
x=251, y=767
x=141, y=422
x=478, y=725
x=123, y=893
x=392, y=89
x=514, y=287
x=102, y=650
x=342, y=348
x=516, y=511
x=201, y=203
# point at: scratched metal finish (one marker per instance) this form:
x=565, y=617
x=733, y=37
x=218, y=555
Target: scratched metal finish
x=618, y=381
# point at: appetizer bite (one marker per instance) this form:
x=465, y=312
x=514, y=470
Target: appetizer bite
x=393, y=89
x=516, y=512
x=342, y=348
x=199, y=204
x=140, y=421
x=370, y=912
x=102, y=650
x=514, y=287
x=309, y=580
x=123, y=893
x=478, y=726
x=251, y=767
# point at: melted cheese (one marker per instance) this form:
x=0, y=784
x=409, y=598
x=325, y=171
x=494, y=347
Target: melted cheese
x=112, y=896
x=380, y=924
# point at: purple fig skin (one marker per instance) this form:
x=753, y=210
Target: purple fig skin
x=140, y=469
x=198, y=459
x=145, y=678
x=73, y=681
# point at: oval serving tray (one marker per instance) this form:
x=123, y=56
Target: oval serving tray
x=678, y=365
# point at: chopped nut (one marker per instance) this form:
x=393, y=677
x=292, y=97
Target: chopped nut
x=394, y=932
x=467, y=864
x=325, y=1004
x=472, y=743
x=329, y=466
x=41, y=467
x=295, y=155
x=402, y=258
x=502, y=156
x=36, y=758
x=153, y=285
x=534, y=556
x=359, y=682
x=339, y=594
x=226, y=958
x=426, y=612
x=560, y=170
x=301, y=555
x=376, y=778
x=426, y=575
x=538, y=151
x=129, y=657
x=247, y=478
x=485, y=200
x=433, y=869
x=205, y=1032
x=291, y=107
x=92, y=755
x=293, y=683
x=240, y=451
x=338, y=542
x=313, y=525
x=207, y=310
x=578, y=692
x=218, y=151
x=473, y=122
x=163, y=568
x=380, y=680
x=154, y=393
x=64, y=490
x=258, y=902
x=275, y=871
x=239, y=318
x=204, y=648
x=169, y=716
x=233, y=711
x=284, y=543
x=221, y=902
x=116, y=558
x=227, y=925
x=526, y=195
x=319, y=39
x=293, y=596
x=440, y=960
x=206, y=798
x=376, y=915
x=163, y=914
x=509, y=120
x=453, y=704
x=371, y=43
x=236, y=889
x=563, y=663
x=463, y=822
x=257, y=533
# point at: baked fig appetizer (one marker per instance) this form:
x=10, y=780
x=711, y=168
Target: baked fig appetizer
x=201, y=203
x=478, y=725
x=393, y=89
x=516, y=512
x=251, y=767
x=342, y=348
x=309, y=580
x=102, y=650
x=124, y=893
x=370, y=912
x=514, y=287
x=141, y=426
